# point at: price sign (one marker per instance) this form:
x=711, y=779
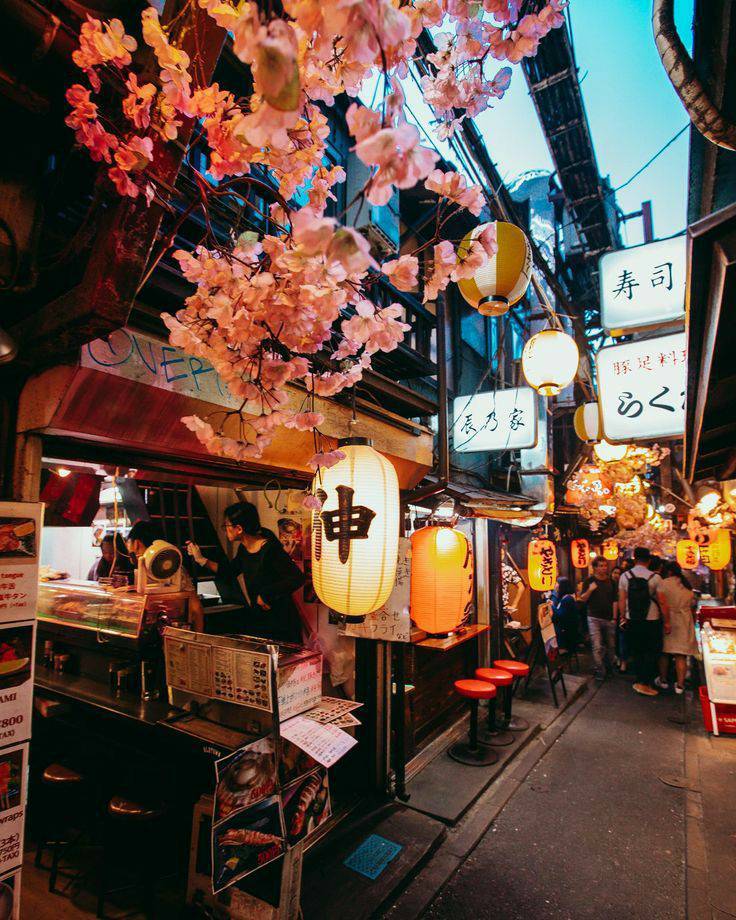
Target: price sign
x=644, y=285
x=641, y=389
x=501, y=420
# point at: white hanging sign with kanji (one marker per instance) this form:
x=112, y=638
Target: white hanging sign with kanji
x=641, y=388
x=500, y=420
x=644, y=285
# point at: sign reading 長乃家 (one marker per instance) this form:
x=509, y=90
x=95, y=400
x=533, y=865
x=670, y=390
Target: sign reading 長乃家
x=499, y=420
x=644, y=285
x=641, y=388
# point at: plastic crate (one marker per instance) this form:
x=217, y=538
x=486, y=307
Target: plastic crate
x=725, y=714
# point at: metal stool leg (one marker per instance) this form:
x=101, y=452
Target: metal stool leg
x=471, y=752
x=514, y=723
x=493, y=734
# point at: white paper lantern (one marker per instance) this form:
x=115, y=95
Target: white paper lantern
x=550, y=361
x=355, y=536
x=610, y=453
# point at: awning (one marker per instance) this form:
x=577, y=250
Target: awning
x=710, y=430
x=481, y=503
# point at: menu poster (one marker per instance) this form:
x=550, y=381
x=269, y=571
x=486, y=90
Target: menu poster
x=243, y=677
x=188, y=664
x=10, y=896
x=392, y=622
x=246, y=841
x=306, y=805
x=20, y=536
x=299, y=685
x=17, y=642
x=13, y=778
x=245, y=777
x=332, y=708
x=325, y=743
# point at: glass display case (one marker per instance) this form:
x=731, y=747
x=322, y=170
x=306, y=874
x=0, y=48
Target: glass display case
x=91, y=606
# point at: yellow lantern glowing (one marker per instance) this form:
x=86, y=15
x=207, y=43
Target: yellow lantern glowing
x=610, y=453
x=503, y=278
x=587, y=422
x=610, y=550
x=580, y=552
x=633, y=487
x=542, y=565
x=688, y=554
x=550, y=361
x=441, y=578
x=355, y=536
x=715, y=549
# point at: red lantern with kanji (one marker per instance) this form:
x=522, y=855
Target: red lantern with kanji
x=688, y=554
x=580, y=552
x=441, y=578
x=542, y=565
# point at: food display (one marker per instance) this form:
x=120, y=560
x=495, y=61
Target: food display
x=88, y=605
x=719, y=663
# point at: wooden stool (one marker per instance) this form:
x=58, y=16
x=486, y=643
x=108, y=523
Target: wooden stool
x=517, y=669
x=494, y=733
x=62, y=808
x=132, y=837
x=471, y=752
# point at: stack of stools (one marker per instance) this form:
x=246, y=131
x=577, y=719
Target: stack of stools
x=472, y=752
x=63, y=813
x=133, y=839
x=494, y=733
x=517, y=669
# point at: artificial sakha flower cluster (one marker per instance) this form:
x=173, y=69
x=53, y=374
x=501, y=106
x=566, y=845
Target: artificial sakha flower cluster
x=266, y=305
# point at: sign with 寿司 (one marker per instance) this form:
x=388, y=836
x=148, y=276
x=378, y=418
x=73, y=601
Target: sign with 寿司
x=641, y=388
x=643, y=285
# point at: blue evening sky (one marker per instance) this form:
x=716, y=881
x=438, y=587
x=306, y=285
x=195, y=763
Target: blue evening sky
x=632, y=110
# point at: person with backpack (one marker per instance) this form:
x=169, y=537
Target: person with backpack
x=644, y=613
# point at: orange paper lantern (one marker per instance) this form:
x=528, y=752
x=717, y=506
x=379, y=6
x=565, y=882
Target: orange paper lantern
x=542, y=565
x=580, y=552
x=715, y=549
x=610, y=550
x=441, y=578
x=688, y=554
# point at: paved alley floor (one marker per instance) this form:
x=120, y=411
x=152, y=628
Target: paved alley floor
x=592, y=832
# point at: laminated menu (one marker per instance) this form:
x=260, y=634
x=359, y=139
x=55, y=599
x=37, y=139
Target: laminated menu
x=325, y=743
x=188, y=664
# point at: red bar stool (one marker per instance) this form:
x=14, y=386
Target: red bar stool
x=517, y=669
x=494, y=733
x=471, y=752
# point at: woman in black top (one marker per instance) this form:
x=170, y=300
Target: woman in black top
x=269, y=576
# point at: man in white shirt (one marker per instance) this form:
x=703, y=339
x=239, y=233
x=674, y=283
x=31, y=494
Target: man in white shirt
x=642, y=611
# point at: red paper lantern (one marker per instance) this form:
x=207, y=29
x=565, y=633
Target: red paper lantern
x=580, y=552
x=441, y=578
x=542, y=565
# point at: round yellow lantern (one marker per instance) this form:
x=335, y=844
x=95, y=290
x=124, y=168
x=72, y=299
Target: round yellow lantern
x=610, y=550
x=441, y=578
x=355, y=535
x=610, y=453
x=587, y=422
x=580, y=553
x=542, y=565
x=550, y=361
x=504, y=277
x=715, y=548
x=688, y=554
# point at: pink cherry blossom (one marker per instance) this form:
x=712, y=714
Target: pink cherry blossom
x=311, y=502
x=137, y=104
x=454, y=187
x=325, y=459
x=443, y=266
x=402, y=272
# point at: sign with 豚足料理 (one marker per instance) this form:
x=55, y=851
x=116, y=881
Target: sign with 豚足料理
x=644, y=285
x=499, y=420
x=641, y=388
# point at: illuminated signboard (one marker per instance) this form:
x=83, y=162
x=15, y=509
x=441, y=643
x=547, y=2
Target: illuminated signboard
x=501, y=420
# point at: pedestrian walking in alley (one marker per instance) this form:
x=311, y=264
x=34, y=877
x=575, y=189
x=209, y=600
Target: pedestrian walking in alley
x=599, y=592
x=565, y=615
x=678, y=596
x=639, y=606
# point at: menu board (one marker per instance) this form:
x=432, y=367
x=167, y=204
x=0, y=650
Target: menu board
x=300, y=684
x=13, y=792
x=20, y=537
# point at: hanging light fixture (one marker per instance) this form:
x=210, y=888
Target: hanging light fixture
x=610, y=453
x=550, y=361
x=441, y=578
x=542, y=565
x=587, y=422
x=355, y=536
x=688, y=554
x=610, y=550
x=715, y=548
x=503, y=278
x=580, y=552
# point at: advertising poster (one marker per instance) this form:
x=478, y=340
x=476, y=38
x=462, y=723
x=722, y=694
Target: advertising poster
x=306, y=805
x=20, y=535
x=246, y=841
x=10, y=896
x=13, y=777
x=245, y=777
x=16, y=682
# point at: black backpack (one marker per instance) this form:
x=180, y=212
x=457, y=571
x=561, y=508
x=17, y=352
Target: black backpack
x=639, y=597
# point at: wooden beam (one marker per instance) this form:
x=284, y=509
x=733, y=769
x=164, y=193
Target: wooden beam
x=102, y=301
